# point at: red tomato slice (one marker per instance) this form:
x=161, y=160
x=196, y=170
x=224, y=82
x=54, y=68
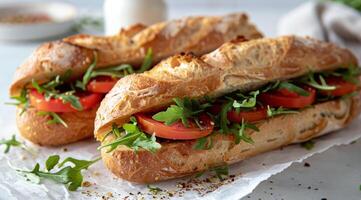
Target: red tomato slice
x=101, y=84
x=87, y=100
x=176, y=131
x=278, y=99
x=342, y=87
x=248, y=116
x=287, y=93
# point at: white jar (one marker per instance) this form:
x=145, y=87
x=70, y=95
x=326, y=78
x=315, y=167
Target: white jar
x=122, y=13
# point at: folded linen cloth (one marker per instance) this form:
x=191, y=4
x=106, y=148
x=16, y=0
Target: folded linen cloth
x=326, y=21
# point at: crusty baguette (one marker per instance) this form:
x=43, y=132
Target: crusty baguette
x=178, y=159
x=235, y=65
x=196, y=34
x=35, y=128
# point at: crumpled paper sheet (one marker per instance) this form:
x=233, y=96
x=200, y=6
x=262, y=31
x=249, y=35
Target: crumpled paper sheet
x=245, y=176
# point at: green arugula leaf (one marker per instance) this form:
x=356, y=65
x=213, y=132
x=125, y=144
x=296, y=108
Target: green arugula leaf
x=310, y=80
x=270, y=86
x=183, y=110
x=294, y=88
x=55, y=118
x=221, y=172
x=78, y=164
x=11, y=143
x=308, y=144
x=247, y=101
x=279, y=111
x=147, y=62
x=21, y=100
x=87, y=75
x=133, y=138
x=70, y=176
x=115, y=72
x=224, y=118
x=51, y=162
x=49, y=90
x=143, y=142
x=171, y=115
x=68, y=97
x=204, y=143
x=239, y=132
x=351, y=74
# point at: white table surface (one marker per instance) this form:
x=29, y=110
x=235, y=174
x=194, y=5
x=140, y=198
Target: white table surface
x=334, y=174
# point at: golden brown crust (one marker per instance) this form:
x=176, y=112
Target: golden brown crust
x=235, y=65
x=35, y=128
x=178, y=159
x=196, y=34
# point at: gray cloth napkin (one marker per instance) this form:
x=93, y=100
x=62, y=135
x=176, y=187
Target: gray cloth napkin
x=326, y=21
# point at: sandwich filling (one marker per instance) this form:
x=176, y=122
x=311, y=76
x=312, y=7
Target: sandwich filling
x=62, y=94
x=232, y=114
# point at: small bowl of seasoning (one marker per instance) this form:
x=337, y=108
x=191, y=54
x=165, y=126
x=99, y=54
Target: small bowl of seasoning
x=34, y=21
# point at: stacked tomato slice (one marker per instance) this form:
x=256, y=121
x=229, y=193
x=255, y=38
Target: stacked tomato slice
x=276, y=98
x=96, y=89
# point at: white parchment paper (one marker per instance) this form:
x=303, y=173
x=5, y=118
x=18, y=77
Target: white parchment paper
x=245, y=176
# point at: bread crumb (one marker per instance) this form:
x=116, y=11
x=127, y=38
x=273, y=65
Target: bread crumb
x=86, y=184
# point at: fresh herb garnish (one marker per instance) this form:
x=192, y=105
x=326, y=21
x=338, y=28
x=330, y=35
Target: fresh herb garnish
x=88, y=74
x=204, y=143
x=21, y=100
x=292, y=87
x=114, y=72
x=321, y=85
x=50, y=91
x=221, y=172
x=351, y=74
x=68, y=175
x=246, y=101
x=308, y=144
x=54, y=118
x=271, y=86
x=279, y=111
x=11, y=143
x=223, y=118
x=183, y=110
x=133, y=138
x=154, y=190
x=240, y=134
x=147, y=62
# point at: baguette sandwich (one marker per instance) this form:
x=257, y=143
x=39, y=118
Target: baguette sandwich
x=59, y=87
x=190, y=113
